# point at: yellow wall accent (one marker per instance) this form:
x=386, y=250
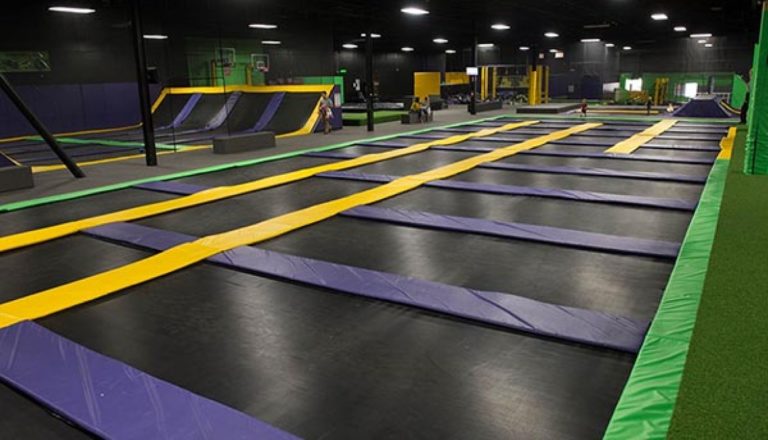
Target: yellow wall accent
x=456, y=78
x=87, y=289
x=41, y=235
x=628, y=146
x=426, y=84
x=726, y=145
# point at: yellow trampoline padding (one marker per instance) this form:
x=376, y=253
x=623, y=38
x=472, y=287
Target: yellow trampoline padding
x=87, y=289
x=726, y=144
x=41, y=235
x=628, y=146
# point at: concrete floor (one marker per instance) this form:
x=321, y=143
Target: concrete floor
x=61, y=182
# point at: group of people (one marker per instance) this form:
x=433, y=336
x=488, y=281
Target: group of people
x=423, y=108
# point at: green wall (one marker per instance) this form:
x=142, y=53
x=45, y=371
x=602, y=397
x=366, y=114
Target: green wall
x=739, y=91
x=723, y=82
x=201, y=51
x=336, y=80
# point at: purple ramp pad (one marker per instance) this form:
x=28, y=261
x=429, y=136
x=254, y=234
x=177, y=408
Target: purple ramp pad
x=111, y=399
x=520, y=231
x=331, y=155
x=269, y=111
x=186, y=110
x=599, y=172
x=581, y=196
x=183, y=189
x=621, y=157
x=502, y=309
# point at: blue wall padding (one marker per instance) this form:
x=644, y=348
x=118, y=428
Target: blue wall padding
x=502, y=309
x=520, y=231
x=186, y=110
x=111, y=399
x=73, y=107
x=565, y=194
x=597, y=172
x=269, y=112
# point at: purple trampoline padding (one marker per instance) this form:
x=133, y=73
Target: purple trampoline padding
x=599, y=172
x=179, y=188
x=566, y=194
x=637, y=157
x=269, y=111
x=502, y=309
x=221, y=116
x=186, y=110
x=520, y=231
x=111, y=399
x=331, y=155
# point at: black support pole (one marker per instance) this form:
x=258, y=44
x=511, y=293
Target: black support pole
x=147, y=126
x=473, y=81
x=39, y=127
x=369, y=79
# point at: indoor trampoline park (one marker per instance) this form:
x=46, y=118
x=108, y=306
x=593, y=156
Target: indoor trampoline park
x=383, y=220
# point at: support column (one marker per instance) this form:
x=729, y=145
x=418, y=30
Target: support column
x=145, y=105
x=39, y=127
x=473, y=81
x=369, y=95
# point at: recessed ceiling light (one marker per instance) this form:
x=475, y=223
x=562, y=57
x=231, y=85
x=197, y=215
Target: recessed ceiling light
x=709, y=45
x=559, y=54
x=349, y=46
x=553, y=51
x=610, y=45
x=262, y=26
x=450, y=51
x=271, y=42
x=155, y=37
x=372, y=35
x=485, y=45
x=590, y=40
x=701, y=35
x=412, y=10
x=440, y=40
x=659, y=16
x=680, y=28
x=407, y=49
x=71, y=10
x=551, y=35
x=627, y=47
x=500, y=27
x=702, y=41
x=525, y=48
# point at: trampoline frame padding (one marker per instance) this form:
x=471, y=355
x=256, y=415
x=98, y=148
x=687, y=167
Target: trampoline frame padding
x=111, y=399
x=502, y=309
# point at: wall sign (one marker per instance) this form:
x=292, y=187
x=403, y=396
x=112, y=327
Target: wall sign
x=32, y=61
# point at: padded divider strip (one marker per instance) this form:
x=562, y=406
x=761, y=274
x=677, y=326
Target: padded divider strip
x=598, y=172
x=111, y=399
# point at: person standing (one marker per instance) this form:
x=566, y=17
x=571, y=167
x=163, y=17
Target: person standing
x=584, y=107
x=648, y=106
x=326, y=112
x=426, y=109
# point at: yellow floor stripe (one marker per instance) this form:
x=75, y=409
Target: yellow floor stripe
x=726, y=145
x=87, y=289
x=35, y=236
x=49, y=168
x=629, y=146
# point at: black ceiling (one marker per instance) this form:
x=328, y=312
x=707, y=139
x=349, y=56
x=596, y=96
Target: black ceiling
x=459, y=21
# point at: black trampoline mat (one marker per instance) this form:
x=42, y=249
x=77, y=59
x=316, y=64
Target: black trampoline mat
x=647, y=223
x=237, y=175
x=293, y=112
x=621, y=284
x=324, y=365
x=246, y=210
x=633, y=187
x=24, y=419
x=49, y=215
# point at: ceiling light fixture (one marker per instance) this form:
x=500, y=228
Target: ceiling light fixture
x=485, y=45
x=551, y=35
x=450, y=51
x=412, y=10
x=271, y=42
x=702, y=41
x=262, y=26
x=553, y=51
x=590, y=40
x=440, y=40
x=610, y=45
x=349, y=46
x=372, y=35
x=701, y=35
x=500, y=27
x=71, y=10
x=709, y=45
x=525, y=48
x=659, y=16
x=407, y=49
x=680, y=28
x=627, y=47
x=155, y=37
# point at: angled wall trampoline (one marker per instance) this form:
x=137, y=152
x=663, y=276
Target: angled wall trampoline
x=488, y=280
